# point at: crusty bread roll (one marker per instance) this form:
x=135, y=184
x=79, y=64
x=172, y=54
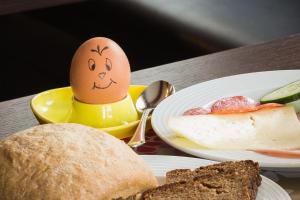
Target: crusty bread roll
x=69, y=161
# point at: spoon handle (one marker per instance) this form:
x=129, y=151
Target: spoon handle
x=138, y=137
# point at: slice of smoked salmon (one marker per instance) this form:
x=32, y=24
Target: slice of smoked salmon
x=269, y=105
x=230, y=105
x=279, y=153
x=235, y=104
x=197, y=111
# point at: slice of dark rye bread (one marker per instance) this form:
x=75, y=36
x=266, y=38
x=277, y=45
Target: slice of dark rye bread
x=246, y=172
x=228, y=181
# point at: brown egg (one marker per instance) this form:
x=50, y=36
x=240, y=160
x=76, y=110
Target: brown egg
x=100, y=72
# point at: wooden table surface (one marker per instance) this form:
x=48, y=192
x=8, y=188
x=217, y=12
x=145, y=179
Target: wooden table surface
x=284, y=53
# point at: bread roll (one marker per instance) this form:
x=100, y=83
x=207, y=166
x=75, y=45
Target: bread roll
x=69, y=161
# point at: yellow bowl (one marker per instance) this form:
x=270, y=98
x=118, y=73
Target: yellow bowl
x=58, y=105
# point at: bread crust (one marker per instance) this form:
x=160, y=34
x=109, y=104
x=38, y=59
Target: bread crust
x=69, y=161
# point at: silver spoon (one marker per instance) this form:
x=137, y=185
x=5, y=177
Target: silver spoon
x=147, y=101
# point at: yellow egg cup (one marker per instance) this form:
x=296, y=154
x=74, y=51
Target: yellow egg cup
x=58, y=105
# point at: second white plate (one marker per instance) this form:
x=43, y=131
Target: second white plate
x=268, y=190
x=253, y=85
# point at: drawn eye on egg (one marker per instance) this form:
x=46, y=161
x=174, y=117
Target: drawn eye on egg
x=108, y=64
x=91, y=64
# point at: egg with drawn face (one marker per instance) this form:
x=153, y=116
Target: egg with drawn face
x=100, y=72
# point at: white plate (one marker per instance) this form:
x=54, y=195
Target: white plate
x=161, y=164
x=253, y=85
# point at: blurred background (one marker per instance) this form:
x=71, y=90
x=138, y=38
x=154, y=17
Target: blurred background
x=39, y=37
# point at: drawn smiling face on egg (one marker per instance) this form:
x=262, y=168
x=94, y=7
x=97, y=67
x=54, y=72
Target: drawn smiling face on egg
x=100, y=72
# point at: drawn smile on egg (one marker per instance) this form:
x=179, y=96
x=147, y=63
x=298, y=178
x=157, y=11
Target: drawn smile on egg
x=95, y=86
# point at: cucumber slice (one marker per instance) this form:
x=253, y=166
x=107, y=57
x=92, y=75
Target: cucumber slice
x=286, y=94
x=295, y=104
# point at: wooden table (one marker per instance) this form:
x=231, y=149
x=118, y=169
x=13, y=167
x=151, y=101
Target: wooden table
x=284, y=53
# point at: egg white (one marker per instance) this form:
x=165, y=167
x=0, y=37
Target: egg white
x=272, y=128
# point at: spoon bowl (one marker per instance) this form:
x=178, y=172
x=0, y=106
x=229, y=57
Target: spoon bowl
x=147, y=101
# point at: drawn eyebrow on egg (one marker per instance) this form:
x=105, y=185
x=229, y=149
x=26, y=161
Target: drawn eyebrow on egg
x=106, y=47
x=99, y=50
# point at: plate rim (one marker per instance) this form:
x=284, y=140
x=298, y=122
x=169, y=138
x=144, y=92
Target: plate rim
x=273, y=166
